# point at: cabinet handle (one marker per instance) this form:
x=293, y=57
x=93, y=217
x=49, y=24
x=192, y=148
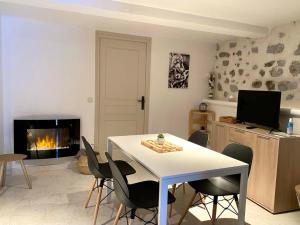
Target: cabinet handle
x=264, y=137
x=239, y=131
x=220, y=125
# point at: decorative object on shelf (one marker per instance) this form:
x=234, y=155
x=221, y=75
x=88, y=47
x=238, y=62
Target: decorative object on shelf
x=231, y=98
x=161, y=148
x=227, y=119
x=211, y=85
x=201, y=121
x=289, y=129
x=203, y=107
x=179, y=67
x=160, y=139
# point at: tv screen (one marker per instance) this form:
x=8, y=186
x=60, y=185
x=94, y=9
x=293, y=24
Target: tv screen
x=259, y=107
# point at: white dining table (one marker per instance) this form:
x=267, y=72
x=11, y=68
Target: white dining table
x=192, y=163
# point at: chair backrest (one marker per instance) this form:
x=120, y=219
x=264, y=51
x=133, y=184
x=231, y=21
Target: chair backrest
x=92, y=158
x=120, y=185
x=240, y=152
x=199, y=138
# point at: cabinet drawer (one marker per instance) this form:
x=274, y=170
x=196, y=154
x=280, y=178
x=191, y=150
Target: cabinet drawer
x=242, y=137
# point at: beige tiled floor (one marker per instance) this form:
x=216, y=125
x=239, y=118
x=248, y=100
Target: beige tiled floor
x=59, y=192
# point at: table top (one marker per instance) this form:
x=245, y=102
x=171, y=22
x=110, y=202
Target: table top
x=11, y=157
x=192, y=159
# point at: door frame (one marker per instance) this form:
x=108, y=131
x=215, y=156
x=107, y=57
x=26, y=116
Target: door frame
x=126, y=37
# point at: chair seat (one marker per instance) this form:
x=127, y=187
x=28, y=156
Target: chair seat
x=216, y=186
x=146, y=194
x=124, y=167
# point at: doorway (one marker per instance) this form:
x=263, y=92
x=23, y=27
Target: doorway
x=122, y=86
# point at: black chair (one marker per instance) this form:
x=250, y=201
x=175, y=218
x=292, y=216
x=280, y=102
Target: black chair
x=141, y=195
x=102, y=171
x=221, y=186
x=199, y=138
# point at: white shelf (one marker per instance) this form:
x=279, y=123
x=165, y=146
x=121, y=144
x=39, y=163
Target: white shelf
x=284, y=110
x=220, y=102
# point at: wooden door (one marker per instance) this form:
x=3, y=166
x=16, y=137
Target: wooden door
x=121, y=87
x=264, y=170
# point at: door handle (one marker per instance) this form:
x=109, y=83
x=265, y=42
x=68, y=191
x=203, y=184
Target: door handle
x=142, y=101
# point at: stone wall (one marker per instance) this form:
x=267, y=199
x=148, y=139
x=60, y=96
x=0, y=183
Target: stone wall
x=270, y=63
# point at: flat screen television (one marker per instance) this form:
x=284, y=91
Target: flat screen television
x=259, y=107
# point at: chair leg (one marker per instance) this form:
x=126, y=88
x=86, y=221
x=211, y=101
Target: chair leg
x=187, y=208
x=26, y=174
x=90, y=193
x=171, y=205
x=118, y=214
x=98, y=201
x=2, y=174
x=236, y=201
x=183, y=188
x=130, y=221
x=132, y=216
x=202, y=198
x=173, y=188
x=214, y=213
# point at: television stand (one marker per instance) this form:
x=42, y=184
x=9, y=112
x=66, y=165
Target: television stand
x=275, y=167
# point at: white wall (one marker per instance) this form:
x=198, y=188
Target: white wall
x=1, y=95
x=169, y=108
x=49, y=69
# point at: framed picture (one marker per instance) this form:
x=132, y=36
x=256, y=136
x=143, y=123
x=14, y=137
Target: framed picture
x=179, y=67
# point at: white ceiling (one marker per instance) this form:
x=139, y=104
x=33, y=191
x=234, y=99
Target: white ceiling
x=266, y=13
x=209, y=18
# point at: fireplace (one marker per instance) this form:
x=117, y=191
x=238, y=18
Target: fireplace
x=41, y=138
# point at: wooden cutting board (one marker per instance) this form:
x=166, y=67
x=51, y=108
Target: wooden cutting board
x=161, y=148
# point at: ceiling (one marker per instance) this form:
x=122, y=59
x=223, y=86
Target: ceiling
x=267, y=13
x=215, y=19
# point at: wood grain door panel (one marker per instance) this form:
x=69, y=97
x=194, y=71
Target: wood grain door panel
x=220, y=140
x=122, y=82
x=264, y=169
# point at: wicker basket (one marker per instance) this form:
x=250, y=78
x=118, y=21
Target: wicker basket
x=83, y=163
x=227, y=119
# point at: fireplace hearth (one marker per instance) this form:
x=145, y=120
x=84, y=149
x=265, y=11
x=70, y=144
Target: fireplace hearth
x=43, y=137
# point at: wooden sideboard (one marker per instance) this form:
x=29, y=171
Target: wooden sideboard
x=275, y=167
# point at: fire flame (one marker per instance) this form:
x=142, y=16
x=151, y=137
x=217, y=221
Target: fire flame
x=45, y=143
